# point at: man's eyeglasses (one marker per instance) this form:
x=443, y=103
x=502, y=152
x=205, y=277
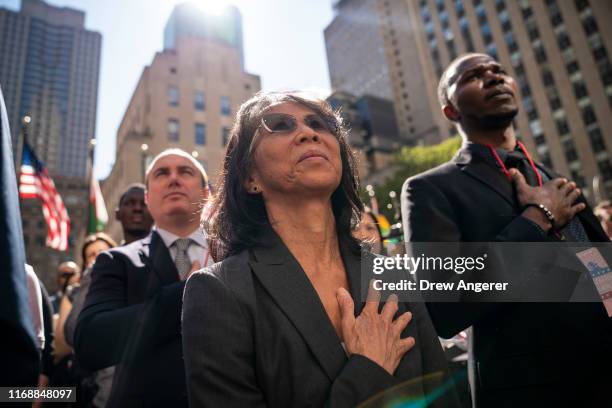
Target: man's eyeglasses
x=285, y=123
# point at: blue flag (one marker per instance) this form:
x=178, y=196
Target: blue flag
x=19, y=353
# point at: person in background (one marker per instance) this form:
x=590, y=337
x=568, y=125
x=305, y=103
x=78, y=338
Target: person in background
x=133, y=214
x=35, y=303
x=68, y=273
x=131, y=316
x=368, y=231
x=136, y=221
x=93, y=245
x=48, y=350
x=603, y=211
x=69, y=372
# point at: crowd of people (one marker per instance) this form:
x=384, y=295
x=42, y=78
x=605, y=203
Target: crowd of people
x=253, y=296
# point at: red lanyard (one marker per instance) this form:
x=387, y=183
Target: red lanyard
x=503, y=166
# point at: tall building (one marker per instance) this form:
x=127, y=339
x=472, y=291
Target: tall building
x=49, y=69
x=355, y=50
x=372, y=132
x=188, y=19
x=187, y=98
x=363, y=42
x=559, y=51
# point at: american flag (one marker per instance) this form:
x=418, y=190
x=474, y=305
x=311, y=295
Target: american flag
x=34, y=182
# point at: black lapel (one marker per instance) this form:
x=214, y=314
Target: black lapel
x=357, y=278
x=586, y=216
x=160, y=261
x=482, y=171
x=287, y=283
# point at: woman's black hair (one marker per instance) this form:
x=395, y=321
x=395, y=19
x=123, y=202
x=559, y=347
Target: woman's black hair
x=236, y=217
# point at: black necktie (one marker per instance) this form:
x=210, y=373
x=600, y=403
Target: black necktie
x=518, y=160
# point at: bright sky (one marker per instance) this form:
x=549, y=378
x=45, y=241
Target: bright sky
x=283, y=43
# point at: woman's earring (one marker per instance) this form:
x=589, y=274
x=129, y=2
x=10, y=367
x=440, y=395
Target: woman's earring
x=255, y=189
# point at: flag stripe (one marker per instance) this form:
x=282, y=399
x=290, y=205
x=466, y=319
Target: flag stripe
x=35, y=182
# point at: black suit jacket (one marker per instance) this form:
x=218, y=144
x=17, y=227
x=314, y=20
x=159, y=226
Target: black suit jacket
x=255, y=334
x=131, y=318
x=523, y=352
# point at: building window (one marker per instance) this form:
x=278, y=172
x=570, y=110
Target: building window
x=173, y=130
x=563, y=40
x=572, y=67
x=588, y=116
x=580, y=90
x=540, y=54
x=556, y=19
x=547, y=77
x=605, y=168
x=590, y=25
x=225, y=106
x=562, y=126
x=597, y=140
x=200, y=134
x=173, y=95
x=545, y=159
x=199, y=102
x=225, y=133
x=536, y=127
x=570, y=151
x=581, y=4
x=600, y=53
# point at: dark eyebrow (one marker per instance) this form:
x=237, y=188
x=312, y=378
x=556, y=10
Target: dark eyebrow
x=160, y=169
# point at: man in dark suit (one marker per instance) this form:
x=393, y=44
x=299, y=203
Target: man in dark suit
x=131, y=316
x=522, y=354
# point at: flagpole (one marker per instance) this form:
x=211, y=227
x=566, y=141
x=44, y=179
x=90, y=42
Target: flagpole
x=21, y=142
x=90, y=165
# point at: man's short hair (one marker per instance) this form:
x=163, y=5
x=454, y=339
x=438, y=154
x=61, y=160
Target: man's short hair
x=445, y=78
x=174, y=151
x=133, y=186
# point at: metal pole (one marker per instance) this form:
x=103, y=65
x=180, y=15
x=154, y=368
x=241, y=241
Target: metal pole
x=22, y=138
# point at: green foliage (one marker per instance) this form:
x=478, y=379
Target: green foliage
x=411, y=161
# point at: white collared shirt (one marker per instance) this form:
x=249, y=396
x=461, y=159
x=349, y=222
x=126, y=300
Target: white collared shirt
x=197, y=251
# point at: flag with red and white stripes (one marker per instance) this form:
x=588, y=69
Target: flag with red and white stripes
x=34, y=182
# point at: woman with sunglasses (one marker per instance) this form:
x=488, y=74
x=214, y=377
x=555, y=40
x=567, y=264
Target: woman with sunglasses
x=279, y=322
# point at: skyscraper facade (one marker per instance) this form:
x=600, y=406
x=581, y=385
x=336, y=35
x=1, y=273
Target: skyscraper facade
x=186, y=98
x=372, y=50
x=49, y=70
x=559, y=51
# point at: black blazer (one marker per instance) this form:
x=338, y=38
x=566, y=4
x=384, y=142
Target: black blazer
x=131, y=318
x=255, y=334
x=522, y=351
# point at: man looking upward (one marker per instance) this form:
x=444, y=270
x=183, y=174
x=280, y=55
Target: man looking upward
x=522, y=354
x=131, y=316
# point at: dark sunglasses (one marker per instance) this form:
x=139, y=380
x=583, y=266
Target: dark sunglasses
x=285, y=123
